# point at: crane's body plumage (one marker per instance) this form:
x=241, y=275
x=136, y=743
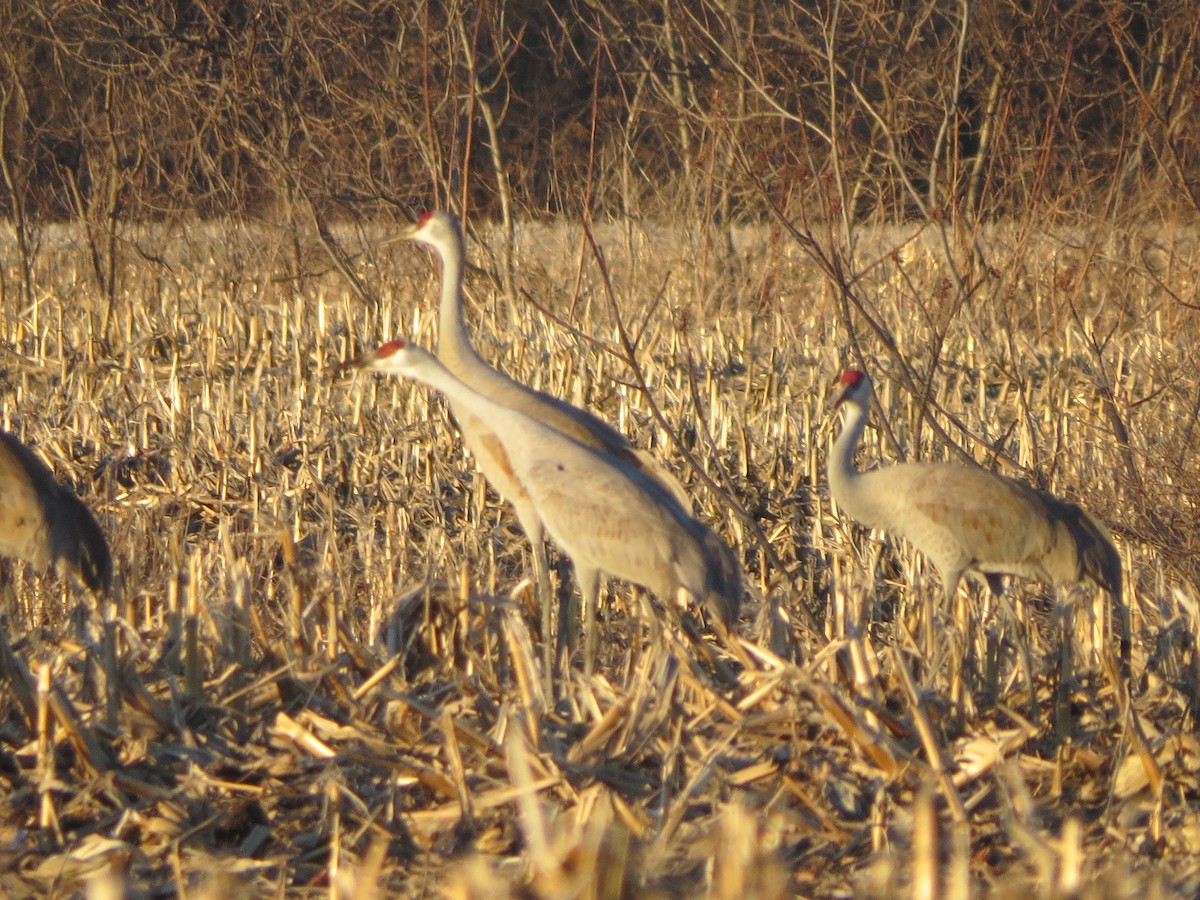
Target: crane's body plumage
x=43, y=522
x=966, y=518
x=442, y=232
x=610, y=517
x=606, y=514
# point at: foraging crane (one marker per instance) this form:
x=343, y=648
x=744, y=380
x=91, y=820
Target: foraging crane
x=966, y=518
x=44, y=523
x=607, y=514
x=442, y=232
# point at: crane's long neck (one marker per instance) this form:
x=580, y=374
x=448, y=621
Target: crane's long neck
x=846, y=483
x=432, y=372
x=454, y=343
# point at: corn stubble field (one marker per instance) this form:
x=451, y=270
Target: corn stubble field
x=320, y=674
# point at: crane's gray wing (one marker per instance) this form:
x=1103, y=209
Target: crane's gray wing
x=79, y=539
x=724, y=586
x=25, y=485
x=582, y=426
x=609, y=516
x=42, y=522
x=998, y=518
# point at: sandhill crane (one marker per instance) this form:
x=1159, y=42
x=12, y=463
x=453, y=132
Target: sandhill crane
x=606, y=514
x=44, y=523
x=442, y=232
x=966, y=518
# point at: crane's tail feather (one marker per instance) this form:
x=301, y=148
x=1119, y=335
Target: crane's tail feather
x=724, y=588
x=1102, y=564
x=80, y=541
x=1099, y=561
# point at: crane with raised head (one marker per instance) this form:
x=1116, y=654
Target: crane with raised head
x=44, y=523
x=607, y=514
x=966, y=518
x=442, y=232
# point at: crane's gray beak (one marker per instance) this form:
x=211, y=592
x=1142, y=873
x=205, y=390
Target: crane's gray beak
x=403, y=233
x=360, y=362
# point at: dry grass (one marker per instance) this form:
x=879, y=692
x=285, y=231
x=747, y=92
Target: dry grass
x=318, y=675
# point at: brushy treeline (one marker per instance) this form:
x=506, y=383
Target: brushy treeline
x=917, y=109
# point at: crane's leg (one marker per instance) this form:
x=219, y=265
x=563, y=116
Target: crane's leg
x=958, y=638
x=589, y=587
x=1110, y=615
x=531, y=524
x=568, y=621
x=1064, y=609
x=545, y=594
x=1021, y=640
x=1125, y=623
